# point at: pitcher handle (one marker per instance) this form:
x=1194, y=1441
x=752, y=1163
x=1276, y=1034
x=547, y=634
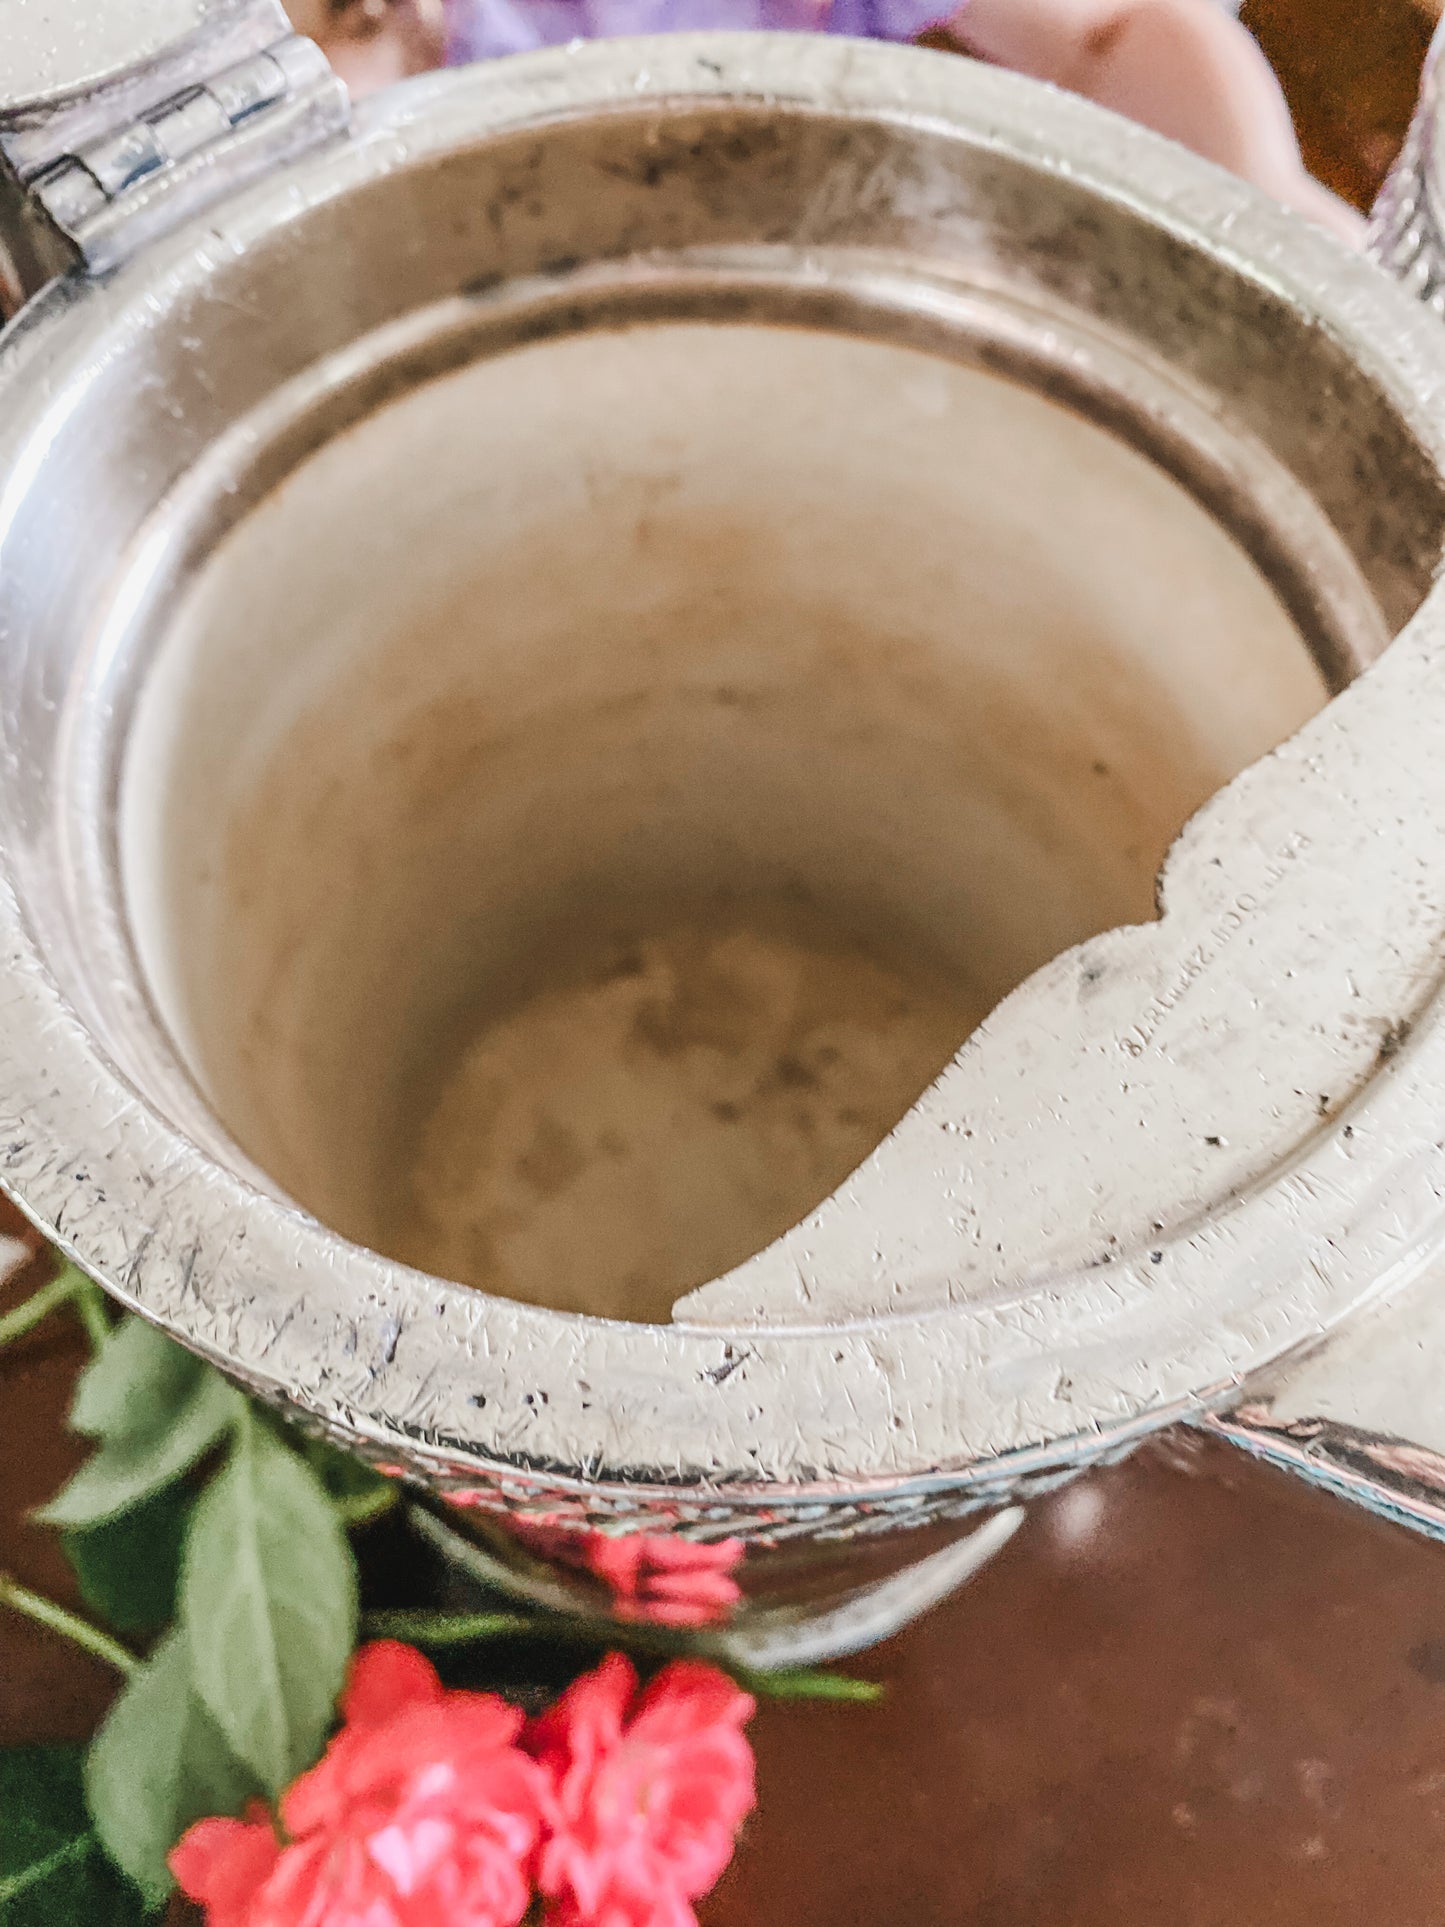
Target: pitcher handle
x=1407, y=224
x=1363, y=1415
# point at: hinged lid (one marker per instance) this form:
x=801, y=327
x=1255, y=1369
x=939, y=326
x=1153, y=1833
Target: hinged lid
x=1407, y=224
x=115, y=121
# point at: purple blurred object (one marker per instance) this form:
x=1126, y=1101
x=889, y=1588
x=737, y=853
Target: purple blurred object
x=483, y=29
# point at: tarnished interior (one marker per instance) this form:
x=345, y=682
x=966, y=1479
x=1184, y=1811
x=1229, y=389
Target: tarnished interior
x=576, y=814
x=592, y=746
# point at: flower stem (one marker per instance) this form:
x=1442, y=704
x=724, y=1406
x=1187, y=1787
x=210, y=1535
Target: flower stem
x=436, y=1631
x=360, y=1508
x=45, y=1612
x=546, y=1621
x=93, y=1313
x=450, y=1629
x=39, y=1305
x=70, y=1286
x=808, y=1686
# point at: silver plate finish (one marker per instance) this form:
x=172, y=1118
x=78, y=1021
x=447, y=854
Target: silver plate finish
x=1001, y=1295
x=118, y=121
x=56, y=49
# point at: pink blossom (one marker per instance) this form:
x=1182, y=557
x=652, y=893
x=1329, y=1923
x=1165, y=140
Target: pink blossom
x=650, y=1789
x=424, y=1812
x=665, y=1581
x=226, y=1863
x=656, y=1579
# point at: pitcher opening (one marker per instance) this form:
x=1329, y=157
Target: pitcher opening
x=577, y=813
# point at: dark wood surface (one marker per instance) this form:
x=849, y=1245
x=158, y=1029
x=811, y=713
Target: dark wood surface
x=1192, y=1694
x=1350, y=69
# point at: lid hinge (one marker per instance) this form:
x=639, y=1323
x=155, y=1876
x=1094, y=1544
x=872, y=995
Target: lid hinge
x=88, y=182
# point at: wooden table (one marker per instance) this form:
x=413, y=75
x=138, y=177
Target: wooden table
x=1350, y=69
x=1192, y=1694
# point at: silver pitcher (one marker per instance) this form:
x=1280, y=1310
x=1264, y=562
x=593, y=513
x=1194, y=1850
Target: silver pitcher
x=600, y=656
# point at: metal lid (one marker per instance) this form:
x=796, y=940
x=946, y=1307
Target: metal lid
x=57, y=49
x=117, y=121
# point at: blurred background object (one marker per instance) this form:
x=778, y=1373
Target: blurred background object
x=1347, y=67
x=1350, y=70
x=1181, y=67
x=375, y=42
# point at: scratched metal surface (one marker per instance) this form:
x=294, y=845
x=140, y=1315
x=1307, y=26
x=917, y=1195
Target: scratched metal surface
x=55, y=49
x=970, y=1312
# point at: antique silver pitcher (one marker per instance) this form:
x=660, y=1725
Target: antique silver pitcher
x=599, y=658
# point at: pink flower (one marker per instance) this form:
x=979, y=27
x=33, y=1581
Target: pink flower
x=470, y=1497
x=667, y=1582
x=655, y=1578
x=226, y=1863
x=552, y=1540
x=424, y=1812
x=650, y=1791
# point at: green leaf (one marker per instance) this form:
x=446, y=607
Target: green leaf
x=359, y=1494
x=129, y=1569
x=23, y=1320
x=137, y=1377
x=158, y=1765
x=131, y=1467
x=269, y=1600
x=156, y=1411
x=53, y=1872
